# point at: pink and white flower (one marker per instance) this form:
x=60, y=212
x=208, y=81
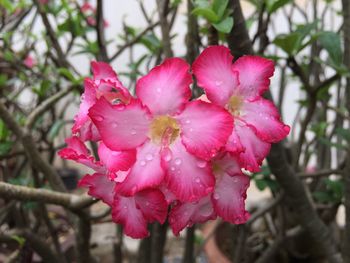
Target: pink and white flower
x=238, y=87
x=173, y=142
x=29, y=61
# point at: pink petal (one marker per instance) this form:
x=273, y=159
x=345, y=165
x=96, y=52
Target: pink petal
x=113, y=90
x=125, y=212
x=188, y=177
x=88, y=99
x=122, y=127
x=116, y=160
x=187, y=214
x=89, y=132
x=225, y=162
x=262, y=116
x=255, y=149
x=145, y=173
x=152, y=204
x=99, y=187
x=102, y=70
x=77, y=151
x=205, y=128
x=166, y=88
x=254, y=75
x=29, y=62
x=213, y=70
x=229, y=197
x=234, y=143
x=169, y=196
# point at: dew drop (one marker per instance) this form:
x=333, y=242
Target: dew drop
x=178, y=161
x=201, y=163
x=114, y=125
x=191, y=130
x=167, y=155
x=149, y=156
x=143, y=163
x=216, y=196
x=197, y=180
x=133, y=131
x=172, y=168
x=121, y=107
x=99, y=118
x=235, y=180
x=159, y=90
x=187, y=121
x=147, y=203
x=125, y=207
x=218, y=82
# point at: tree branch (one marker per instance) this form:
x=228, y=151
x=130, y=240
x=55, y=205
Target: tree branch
x=24, y=193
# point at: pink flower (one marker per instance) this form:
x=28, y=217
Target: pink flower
x=238, y=87
x=173, y=142
x=86, y=7
x=105, y=84
x=160, y=150
x=29, y=61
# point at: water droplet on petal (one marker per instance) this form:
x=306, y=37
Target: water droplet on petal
x=216, y=196
x=147, y=203
x=114, y=125
x=201, y=163
x=159, y=90
x=143, y=163
x=121, y=107
x=99, y=118
x=133, y=131
x=125, y=207
x=149, y=156
x=218, y=82
x=187, y=121
x=172, y=168
x=235, y=180
x=167, y=154
x=197, y=180
x=178, y=161
x=191, y=130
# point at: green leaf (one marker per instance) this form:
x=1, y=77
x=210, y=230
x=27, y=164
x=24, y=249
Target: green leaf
x=3, y=80
x=327, y=142
x=344, y=133
x=225, y=25
x=66, y=73
x=207, y=13
x=5, y=147
x=7, y=5
x=319, y=128
x=331, y=42
x=151, y=42
x=19, y=240
x=323, y=197
x=260, y=184
x=290, y=43
x=273, y=5
x=219, y=7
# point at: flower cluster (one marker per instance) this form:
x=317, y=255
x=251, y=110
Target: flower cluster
x=162, y=155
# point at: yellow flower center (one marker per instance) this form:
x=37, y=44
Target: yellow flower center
x=234, y=105
x=164, y=129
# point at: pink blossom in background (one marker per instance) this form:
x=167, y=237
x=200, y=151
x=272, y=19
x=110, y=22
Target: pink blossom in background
x=90, y=12
x=29, y=61
x=43, y=2
x=162, y=155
